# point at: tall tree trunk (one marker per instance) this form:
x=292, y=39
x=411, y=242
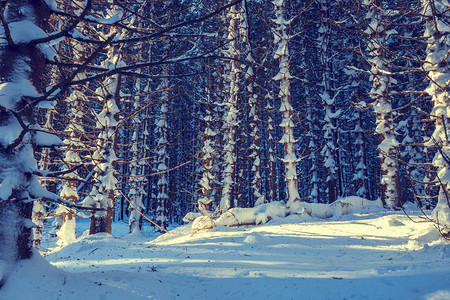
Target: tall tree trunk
x=162, y=155
x=254, y=103
x=329, y=150
x=22, y=66
x=437, y=66
x=104, y=192
x=271, y=169
x=281, y=35
x=231, y=114
x=377, y=32
x=360, y=175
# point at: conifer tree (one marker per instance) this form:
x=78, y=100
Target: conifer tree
x=162, y=159
x=104, y=190
x=281, y=40
x=230, y=118
x=436, y=14
x=377, y=33
x=207, y=161
x=328, y=100
x=23, y=59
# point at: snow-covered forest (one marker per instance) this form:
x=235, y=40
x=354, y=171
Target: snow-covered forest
x=148, y=115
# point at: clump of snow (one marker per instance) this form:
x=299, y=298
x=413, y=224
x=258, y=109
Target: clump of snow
x=255, y=238
x=191, y=216
x=52, y=4
x=66, y=233
x=25, y=31
x=264, y=213
x=46, y=139
x=11, y=91
x=338, y=208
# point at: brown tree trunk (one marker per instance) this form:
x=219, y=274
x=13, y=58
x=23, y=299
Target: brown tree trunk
x=102, y=223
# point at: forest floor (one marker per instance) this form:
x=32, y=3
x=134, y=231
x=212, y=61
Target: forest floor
x=366, y=255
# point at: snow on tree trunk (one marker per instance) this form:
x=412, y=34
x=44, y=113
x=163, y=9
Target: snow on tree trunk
x=328, y=102
x=313, y=146
x=255, y=136
x=436, y=14
x=103, y=192
x=414, y=151
x=162, y=155
x=74, y=146
x=162, y=130
x=104, y=157
x=140, y=139
x=22, y=66
x=271, y=193
x=377, y=34
x=413, y=154
x=230, y=121
x=207, y=162
x=137, y=191
x=311, y=96
x=360, y=176
x=281, y=40
x=39, y=211
x=138, y=150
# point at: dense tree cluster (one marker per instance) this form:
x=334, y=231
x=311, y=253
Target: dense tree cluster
x=147, y=110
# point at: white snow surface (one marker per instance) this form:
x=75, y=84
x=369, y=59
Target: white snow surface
x=369, y=254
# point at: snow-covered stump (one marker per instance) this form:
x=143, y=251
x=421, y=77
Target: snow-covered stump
x=281, y=40
x=381, y=77
x=436, y=14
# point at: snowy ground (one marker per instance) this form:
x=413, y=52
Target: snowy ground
x=371, y=255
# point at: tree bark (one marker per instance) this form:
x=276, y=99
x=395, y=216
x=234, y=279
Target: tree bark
x=21, y=67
